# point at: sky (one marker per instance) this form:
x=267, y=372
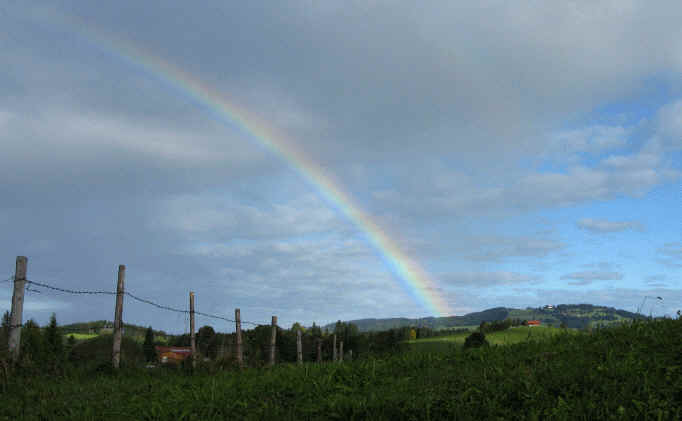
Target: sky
x=324, y=161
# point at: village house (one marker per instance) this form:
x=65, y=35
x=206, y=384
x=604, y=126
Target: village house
x=172, y=354
x=533, y=322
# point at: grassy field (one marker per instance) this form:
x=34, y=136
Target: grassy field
x=506, y=337
x=632, y=371
x=81, y=336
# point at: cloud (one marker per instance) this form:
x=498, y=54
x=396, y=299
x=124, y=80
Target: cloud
x=670, y=254
x=601, y=226
x=587, y=277
x=485, y=279
x=498, y=248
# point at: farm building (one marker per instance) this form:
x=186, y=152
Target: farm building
x=533, y=322
x=172, y=354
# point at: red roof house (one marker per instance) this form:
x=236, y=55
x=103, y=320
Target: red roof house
x=172, y=354
x=533, y=322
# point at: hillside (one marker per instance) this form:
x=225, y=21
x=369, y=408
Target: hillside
x=573, y=315
x=104, y=326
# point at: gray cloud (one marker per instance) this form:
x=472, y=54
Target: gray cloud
x=437, y=120
x=670, y=254
x=485, y=279
x=600, y=226
x=586, y=277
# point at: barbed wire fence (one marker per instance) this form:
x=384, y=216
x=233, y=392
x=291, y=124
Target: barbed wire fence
x=37, y=287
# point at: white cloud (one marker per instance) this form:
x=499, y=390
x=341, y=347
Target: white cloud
x=600, y=226
x=586, y=277
x=485, y=279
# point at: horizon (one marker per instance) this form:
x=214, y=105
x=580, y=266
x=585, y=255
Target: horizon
x=327, y=324
x=336, y=162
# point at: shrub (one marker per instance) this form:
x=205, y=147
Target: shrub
x=475, y=340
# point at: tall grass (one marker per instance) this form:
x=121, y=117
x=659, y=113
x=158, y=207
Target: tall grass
x=626, y=372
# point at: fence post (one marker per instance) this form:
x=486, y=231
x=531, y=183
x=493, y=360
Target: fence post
x=350, y=354
x=118, y=316
x=238, y=339
x=193, y=339
x=17, y=308
x=341, y=351
x=299, y=347
x=334, y=349
x=273, y=340
x=319, y=350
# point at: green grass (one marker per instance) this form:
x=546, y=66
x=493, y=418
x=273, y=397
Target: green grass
x=506, y=337
x=626, y=372
x=81, y=336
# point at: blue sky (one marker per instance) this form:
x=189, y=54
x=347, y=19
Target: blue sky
x=523, y=154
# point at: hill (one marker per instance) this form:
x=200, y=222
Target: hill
x=104, y=326
x=572, y=315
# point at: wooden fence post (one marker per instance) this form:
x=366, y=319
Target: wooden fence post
x=193, y=339
x=118, y=316
x=273, y=340
x=334, y=350
x=299, y=347
x=238, y=337
x=341, y=351
x=350, y=354
x=17, y=311
x=319, y=350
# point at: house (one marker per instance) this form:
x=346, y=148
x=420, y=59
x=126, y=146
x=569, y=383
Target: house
x=172, y=354
x=548, y=307
x=533, y=322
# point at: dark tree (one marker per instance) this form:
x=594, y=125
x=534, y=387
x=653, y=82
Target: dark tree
x=32, y=343
x=148, y=346
x=475, y=340
x=206, y=341
x=53, y=339
x=4, y=332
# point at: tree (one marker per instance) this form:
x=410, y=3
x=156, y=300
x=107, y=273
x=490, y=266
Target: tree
x=53, y=339
x=4, y=331
x=148, y=346
x=32, y=342
x=206, y=341
x=475, y=340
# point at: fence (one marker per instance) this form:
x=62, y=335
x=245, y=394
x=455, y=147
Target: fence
x=22, y=284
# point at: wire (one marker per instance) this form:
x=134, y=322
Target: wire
x=69, y=291
x=134, y=297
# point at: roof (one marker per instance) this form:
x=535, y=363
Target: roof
x=533, y=322
x=173, y=349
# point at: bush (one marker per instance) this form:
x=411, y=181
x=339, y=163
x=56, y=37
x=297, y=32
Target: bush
x=97, y=351
x=475, y=340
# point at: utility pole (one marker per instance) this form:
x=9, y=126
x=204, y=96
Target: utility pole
x=118, y=317
x=17, y=308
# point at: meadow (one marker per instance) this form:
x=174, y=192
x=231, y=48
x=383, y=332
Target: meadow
x=632, y=371
x=509, y=336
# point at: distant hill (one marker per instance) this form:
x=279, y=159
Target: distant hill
x=573, y=315
x=105, y=326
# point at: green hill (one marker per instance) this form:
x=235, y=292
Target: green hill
x=572, y=315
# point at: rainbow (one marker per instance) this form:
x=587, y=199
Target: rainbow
x=412, y=276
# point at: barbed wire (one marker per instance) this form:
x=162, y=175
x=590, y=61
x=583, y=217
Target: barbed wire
x=177, y=310
x=134, y=297
x=70, y=291
x=11, y=278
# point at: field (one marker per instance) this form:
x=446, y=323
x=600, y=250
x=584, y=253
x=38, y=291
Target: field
x=626, y=372
x=81, y=336
x=506, y=337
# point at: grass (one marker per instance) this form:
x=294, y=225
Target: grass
x=81, y=336
x=506, y=337
x=632, y=371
